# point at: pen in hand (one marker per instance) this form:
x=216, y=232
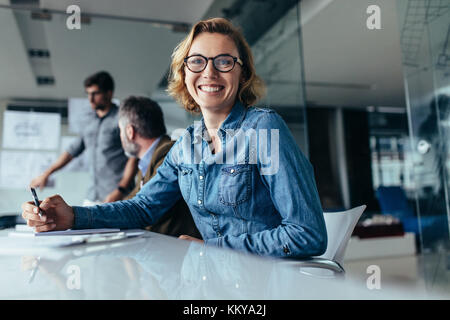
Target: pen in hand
x=36, y=200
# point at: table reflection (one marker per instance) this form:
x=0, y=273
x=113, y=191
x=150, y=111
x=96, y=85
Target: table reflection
x=160, y=267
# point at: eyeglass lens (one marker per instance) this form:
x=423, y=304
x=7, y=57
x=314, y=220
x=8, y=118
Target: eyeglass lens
x=222, y=63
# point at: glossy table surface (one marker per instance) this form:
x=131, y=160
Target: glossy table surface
x=155, y=266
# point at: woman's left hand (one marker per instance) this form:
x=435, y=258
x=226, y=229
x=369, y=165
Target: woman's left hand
x=189, y=238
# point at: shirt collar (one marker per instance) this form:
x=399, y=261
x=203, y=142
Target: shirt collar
x=112, y=110
x=231, y=123
x=147, y=157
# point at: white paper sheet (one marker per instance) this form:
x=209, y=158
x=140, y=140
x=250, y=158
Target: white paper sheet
x=31, y=130
x=71, y=232
x=18, y=168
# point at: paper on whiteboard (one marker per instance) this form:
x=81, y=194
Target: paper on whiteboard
x=31, y=130
x=18, y=168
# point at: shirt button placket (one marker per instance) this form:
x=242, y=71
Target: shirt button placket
x=215, y=224
x=201, y=184
x=94, y=162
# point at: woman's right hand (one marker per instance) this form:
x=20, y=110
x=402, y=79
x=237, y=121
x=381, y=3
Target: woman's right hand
x=57, y=214
x=40, y=181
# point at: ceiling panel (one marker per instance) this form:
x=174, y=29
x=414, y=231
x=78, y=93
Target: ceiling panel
x=345, y=64
x=338, y=48
x=16, y=77
x=170, y=10
x=136, y=54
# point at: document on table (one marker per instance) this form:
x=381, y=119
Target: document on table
x=19, y=243
x=71, y=232
x=29, y=232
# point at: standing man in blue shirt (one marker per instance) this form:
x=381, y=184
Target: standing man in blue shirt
x=111, y=171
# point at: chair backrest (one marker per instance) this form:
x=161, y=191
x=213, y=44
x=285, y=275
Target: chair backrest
x=340, y=226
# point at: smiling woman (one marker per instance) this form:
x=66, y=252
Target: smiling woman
x=237, y=203
x=214, y=91
x=223, y=33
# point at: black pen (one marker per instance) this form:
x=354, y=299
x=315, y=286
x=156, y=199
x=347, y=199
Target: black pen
x=36, y=200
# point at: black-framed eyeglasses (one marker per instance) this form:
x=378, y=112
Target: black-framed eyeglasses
x=222, y=63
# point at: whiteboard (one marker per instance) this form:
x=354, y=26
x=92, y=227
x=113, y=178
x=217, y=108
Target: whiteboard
x=18, y=168
x=31, y=130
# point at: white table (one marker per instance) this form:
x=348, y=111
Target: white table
x=160, y=267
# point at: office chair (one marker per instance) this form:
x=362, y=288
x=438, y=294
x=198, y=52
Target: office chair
x=339, y=226
x=393, y=201
x=433, y=224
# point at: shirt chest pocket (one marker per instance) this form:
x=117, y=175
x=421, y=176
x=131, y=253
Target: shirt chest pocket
x=235, y=184
x=109, y=136
x=185, y=182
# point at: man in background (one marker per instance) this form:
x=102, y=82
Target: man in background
x=143, y=135
x=111, y=171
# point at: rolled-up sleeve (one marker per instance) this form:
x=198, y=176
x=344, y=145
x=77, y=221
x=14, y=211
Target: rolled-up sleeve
x=155, y=198
x=76, y=147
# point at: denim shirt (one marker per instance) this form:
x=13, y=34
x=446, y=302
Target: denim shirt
x=257, y=194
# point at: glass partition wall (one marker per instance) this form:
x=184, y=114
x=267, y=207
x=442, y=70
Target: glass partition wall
x=279, y=61
x=425, y=32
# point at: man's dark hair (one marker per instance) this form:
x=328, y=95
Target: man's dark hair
x=144, y=114
x=102, y=79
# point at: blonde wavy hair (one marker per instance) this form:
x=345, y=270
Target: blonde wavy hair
x=251, y=87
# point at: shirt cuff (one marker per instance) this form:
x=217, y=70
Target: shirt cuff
x=217, y=242
x=74, y=152
x=82, y=218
